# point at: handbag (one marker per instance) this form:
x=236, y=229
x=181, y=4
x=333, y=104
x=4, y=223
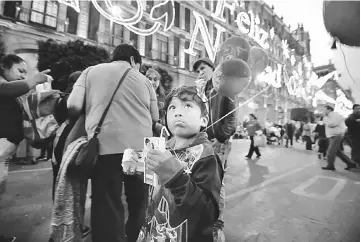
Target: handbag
x=260, y=140
x=89, y=152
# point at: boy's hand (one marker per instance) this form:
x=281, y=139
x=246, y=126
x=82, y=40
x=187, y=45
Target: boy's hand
x=155, y=158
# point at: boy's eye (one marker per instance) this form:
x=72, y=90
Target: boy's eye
x=188, y=105
x=171, y=107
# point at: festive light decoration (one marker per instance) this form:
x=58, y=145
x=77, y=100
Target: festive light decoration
x=166, y=10
x=202, y=27
x=71, y=3
x=246, y=22
x=221, y=5
x=286, y=51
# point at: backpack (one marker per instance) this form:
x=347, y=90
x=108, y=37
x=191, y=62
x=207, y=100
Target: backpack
x=39, y=123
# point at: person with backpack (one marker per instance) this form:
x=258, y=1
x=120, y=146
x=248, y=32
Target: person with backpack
x=13, y=84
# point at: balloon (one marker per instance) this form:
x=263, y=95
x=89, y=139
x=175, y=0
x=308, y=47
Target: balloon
x=231, y=77
x=342, y=20
x=258, y=60
x=234, y=47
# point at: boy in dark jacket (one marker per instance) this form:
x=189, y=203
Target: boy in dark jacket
x=185, y=206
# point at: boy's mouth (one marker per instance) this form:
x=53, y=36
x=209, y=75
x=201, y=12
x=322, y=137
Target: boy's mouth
x=178, y=122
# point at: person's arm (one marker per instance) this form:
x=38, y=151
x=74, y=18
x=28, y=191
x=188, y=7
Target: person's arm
x=225, y=129
x=350, y=121
x=198, y=191
x=16, y=89
x=76, y=98
x=154, y=111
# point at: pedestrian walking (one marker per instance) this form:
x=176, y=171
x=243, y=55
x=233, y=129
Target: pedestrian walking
x=253, y=127
x=219, y=134
x=335, y=129
x=290, y=130
x=353, y=125
x=307, y=133
x=129, y=120
x=320, y=132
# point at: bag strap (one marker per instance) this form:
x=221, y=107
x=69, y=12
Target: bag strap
x=98, y=128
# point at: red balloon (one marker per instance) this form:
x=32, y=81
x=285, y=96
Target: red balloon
x=234, y=47
x=231, y=77
x=342, y=20
x=258, y=60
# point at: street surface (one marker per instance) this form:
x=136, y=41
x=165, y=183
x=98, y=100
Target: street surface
x=282, y=197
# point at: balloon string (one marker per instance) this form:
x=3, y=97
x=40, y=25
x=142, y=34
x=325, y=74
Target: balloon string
x=241, y=105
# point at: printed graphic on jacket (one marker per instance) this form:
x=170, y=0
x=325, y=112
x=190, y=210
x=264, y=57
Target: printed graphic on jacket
x=162, y=219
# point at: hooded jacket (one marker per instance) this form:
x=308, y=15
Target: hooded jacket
x=186, y=202
x=218, y=107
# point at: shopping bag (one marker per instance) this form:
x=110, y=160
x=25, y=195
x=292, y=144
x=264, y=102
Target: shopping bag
x=260, y=140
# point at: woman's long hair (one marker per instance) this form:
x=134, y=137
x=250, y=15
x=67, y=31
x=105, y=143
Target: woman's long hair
x=160, y=90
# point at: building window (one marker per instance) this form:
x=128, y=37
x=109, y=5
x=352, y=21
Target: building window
x=134, y=3
x=208, y=4
x=133, y=38
x=188, y=20
x=162, y=44
x=176, y=50
x=186, y=57
x=215, y=31
x=44, y=12
x=148, y=43
x=117, y=34
x=10, y=8
x=93, y=23
x=177, y=14
x=72, y=17
x=150, y=4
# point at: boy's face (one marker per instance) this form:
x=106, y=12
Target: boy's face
x=184, y=118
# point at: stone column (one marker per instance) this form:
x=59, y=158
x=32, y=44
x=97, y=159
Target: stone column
x=155, y=50
x=102, y=38
x=61, y=18
x=171, y=50
x=83, y=19
x=141, y=40
x=126, y=35
x=181, y=53
x=182, y=17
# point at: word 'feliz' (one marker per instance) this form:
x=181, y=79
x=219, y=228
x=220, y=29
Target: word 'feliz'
x=247, y=23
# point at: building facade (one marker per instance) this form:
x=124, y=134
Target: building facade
x=23, y=23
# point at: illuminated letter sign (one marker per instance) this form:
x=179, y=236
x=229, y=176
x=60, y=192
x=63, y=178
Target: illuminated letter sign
x=202, y=27
x=246, y=22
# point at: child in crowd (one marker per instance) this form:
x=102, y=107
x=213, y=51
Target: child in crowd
x=185, y=205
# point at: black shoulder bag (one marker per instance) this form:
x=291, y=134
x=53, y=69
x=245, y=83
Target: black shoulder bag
x=89, y=152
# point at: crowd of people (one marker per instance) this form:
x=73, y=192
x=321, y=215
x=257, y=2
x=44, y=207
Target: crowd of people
x=118, y=107
x=189, y=202
x=329, y=134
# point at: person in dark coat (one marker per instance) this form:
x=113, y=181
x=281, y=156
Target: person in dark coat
x=353, y=132
x=290, y=130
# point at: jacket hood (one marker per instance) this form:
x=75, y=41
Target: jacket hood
x=201, y=138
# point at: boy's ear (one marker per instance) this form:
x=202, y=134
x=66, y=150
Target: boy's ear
x=204, y=121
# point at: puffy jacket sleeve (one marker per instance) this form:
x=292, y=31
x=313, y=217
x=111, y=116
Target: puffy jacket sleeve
x=13, y=89
x=226, y=127
x=197, y=192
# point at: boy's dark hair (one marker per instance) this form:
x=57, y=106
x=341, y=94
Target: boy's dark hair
x=123, y=52
x=355, y=106
x=186, y=93
x=147, y=141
